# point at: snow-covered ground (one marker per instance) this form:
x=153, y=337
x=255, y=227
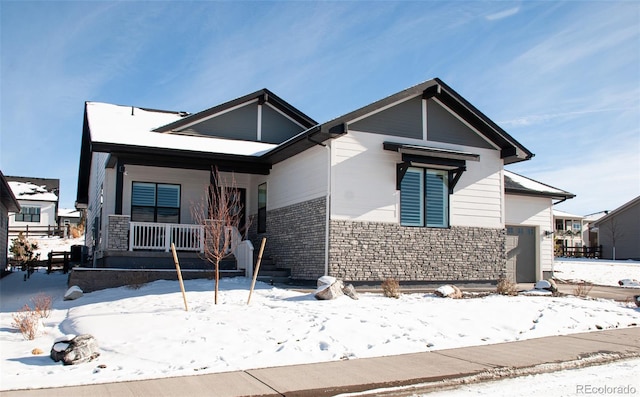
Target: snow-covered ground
x=596, y=271
x=146, y=333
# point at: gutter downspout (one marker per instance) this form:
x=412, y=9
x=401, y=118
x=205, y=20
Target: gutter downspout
x=328, y=212
x=327, y=204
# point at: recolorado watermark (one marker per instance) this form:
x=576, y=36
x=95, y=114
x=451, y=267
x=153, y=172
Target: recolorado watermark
x=607, y=390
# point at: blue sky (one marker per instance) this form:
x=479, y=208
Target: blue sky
x=563, y=78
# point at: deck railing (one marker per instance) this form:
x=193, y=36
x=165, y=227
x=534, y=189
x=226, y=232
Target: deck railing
x=185, y=237
x=159, y=236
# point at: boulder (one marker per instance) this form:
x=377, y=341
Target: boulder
x=350, y=291
x=73, y=350
x=449, y=291
x=543, y=284
x=73, y=293
x=326, y=280
x=636, y=298
x=329, y=292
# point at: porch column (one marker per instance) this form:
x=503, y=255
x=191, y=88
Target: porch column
x=118, y=233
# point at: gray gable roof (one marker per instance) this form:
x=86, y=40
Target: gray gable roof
x=518, y=184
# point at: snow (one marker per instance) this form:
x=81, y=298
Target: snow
x=596, y=271
x=53, y=243
x=146, y=333
x=531, y=184
x=115, y=124
x=29, y=191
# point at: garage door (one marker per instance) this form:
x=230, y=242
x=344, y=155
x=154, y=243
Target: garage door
x=521, y=253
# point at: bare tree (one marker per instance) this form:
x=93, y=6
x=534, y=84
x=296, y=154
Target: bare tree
x=220, y=214
x=615, y=233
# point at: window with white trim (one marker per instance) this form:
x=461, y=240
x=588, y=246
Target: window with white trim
x=424, y=198
x=28, y=214
x=155, y=202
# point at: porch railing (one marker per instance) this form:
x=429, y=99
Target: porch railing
x=159, y=236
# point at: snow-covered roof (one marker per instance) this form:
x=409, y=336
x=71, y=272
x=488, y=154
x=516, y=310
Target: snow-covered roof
x=68, y=213
x=29, y=191
x=595, y=216
x=127, y=125
x=562, y=214
x=515, y=183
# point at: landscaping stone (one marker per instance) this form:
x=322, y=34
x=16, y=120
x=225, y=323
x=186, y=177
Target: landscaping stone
x=73, y=293
x=75, y=350
x=329, y=292
x=350, y=291
x=543, y=284
x=449, y=291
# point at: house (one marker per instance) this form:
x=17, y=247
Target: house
x=590, y=232
x=38, y=198
x=68, y=218
x=619, y=232
x=8, y=203
x=569, y=230
x=409, y=187
x=529, y=219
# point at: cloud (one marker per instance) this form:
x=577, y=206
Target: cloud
x=502, y=14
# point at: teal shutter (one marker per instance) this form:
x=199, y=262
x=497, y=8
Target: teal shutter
x=143, y=194
x=168, y=196
x=411, y=198
x=437, y=198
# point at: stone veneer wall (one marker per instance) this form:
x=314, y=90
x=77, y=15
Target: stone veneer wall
x=118, y=233
x=295, y=238
x=371, y=251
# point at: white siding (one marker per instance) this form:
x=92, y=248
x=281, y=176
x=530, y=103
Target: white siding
x=47, y=214
x=364, y=182
x=535, y=212
x=295, y=180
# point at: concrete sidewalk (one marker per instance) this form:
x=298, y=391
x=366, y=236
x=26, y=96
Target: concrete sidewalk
x=418, y=372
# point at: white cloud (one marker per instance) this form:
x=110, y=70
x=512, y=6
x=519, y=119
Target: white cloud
x=503, y=14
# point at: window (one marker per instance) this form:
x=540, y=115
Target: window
x=28, y=214
x=424, y=198
x=262, y=208
x=155, y=202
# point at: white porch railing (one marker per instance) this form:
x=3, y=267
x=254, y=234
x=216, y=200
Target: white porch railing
x=159, y=236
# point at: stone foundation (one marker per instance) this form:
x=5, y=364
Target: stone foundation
x=295, y=238
x=372, y=251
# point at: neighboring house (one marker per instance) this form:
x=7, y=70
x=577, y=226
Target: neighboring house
x=530, y=226
x=619, y=232
x=68, y=217
x=38, y=198
x=8, y=203
x=589, y=231
x=409, y=187
x=569, y=229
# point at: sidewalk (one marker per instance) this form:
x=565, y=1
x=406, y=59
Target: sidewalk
x=426, y=371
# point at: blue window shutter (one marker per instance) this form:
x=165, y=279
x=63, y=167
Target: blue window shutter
x=437, y=198
x=168, y=196
x=143, y=194
x=411, y=198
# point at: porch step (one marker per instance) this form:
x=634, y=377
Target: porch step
x=270, y=273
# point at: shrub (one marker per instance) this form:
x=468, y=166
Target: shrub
x=582, y=289
x=26, y=321
x=23, y=250
x=506, y=287
x=42, y=305
x=391, y=288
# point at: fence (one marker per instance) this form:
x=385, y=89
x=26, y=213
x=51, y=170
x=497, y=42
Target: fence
x=38, y=231
x=579, y=252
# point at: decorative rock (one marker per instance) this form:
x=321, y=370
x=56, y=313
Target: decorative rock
x=636, y=299
x=73, y=293
x=326, y=280
x=449, y=291
x=350, y=291
x=76, y=350
x=329, y=292
x=543, y=284
x=554, y=286
x=629, y=283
